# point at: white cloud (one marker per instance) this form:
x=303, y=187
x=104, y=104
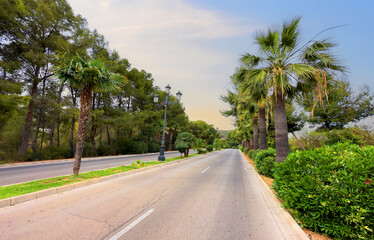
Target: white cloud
x=187, y=47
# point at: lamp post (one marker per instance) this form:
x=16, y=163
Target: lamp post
x=161, y=157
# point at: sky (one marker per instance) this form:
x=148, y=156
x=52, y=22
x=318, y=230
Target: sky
x=195, y=45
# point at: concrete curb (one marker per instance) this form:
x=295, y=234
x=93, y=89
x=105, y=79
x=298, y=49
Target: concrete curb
x=275, y=206
x=72, y=159
x=47, y=192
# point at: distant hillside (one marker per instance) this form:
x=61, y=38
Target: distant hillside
x=224, y=132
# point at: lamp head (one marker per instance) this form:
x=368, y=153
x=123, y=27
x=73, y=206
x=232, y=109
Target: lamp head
x=167, y=89
x=155, y=98
x=178, y=95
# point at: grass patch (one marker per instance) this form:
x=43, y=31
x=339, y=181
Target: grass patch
x=38, y=185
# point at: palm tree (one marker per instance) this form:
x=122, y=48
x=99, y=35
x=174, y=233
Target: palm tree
x=281, y=63
x=88, y=76
x=255, y=92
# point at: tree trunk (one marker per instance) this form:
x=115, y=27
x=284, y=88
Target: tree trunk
x=300, y=144
x=26, y=129
x=71, y=139
x=251, y=143
x=33, y=144
x=248, y=144
x=84, y=112
x=58, y=118
x=171, y=131
x=42, y=138
x=281, y=129
x=58, y=131
x=92, y=139
x=255, y=133
x=51, y=133
x=262, y=128
x=93, y=128
x=108, y=134
x=101, y=130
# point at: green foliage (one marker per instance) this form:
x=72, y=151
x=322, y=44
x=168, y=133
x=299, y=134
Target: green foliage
x=203, y=130
x=264, y=162
x=153, y=147
x=105, y=150
x=315, y=139
x=249, y=152
x=185, y=140
x=330, y=189
x=341, y=107
x=209, y=148
x=343, y=136
x=200, y=145
x=129, y=146
x=219, y=143
x=254, y=154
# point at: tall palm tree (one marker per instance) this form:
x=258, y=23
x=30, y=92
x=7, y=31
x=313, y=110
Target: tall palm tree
x=88, y=76
x=280, y=65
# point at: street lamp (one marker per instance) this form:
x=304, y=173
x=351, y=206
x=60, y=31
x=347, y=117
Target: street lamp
x=161, y=157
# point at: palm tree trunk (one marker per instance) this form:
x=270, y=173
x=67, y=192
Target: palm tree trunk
x=84, y=112
x=281, y=129
x=262, y=128
x=251, y=143
x=255, y=133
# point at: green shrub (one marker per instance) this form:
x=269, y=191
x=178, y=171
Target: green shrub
x=105, y=150
x=209, y=148
x=128, y=146
x=344, y=135
x=249, y=152
x=264, y=162
x=153, y=147
x=330, y=189
x=254, y=154
x=200, y=151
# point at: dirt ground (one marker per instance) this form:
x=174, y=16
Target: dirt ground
x=269, y=182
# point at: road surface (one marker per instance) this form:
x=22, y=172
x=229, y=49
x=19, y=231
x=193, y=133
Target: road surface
x=29, y=172
x=212, y=196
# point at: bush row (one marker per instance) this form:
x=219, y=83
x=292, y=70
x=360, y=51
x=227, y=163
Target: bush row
x=126, y=146
x=330, y=189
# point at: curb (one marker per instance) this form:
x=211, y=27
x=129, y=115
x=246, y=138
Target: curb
x=51, y=191
x=275, y=206
x=72, y=159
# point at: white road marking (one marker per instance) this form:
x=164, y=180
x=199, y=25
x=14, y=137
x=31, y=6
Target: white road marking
x=205, y=169
x=133, y=224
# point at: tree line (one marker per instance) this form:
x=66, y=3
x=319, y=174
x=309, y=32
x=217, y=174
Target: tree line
x=39, y=107
x=288, y=83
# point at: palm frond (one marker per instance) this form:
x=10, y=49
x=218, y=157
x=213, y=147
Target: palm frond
x=289, y=35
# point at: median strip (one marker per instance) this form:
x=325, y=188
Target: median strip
x=17, y=193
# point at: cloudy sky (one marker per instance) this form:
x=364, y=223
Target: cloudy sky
x=195, y=45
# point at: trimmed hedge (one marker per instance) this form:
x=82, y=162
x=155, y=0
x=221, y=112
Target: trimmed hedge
x=264, y=162
x=330, y=189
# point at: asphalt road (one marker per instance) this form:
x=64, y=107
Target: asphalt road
x=46, y=169
x=212, y=196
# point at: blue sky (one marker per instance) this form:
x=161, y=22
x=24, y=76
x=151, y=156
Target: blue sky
x=195, y=45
